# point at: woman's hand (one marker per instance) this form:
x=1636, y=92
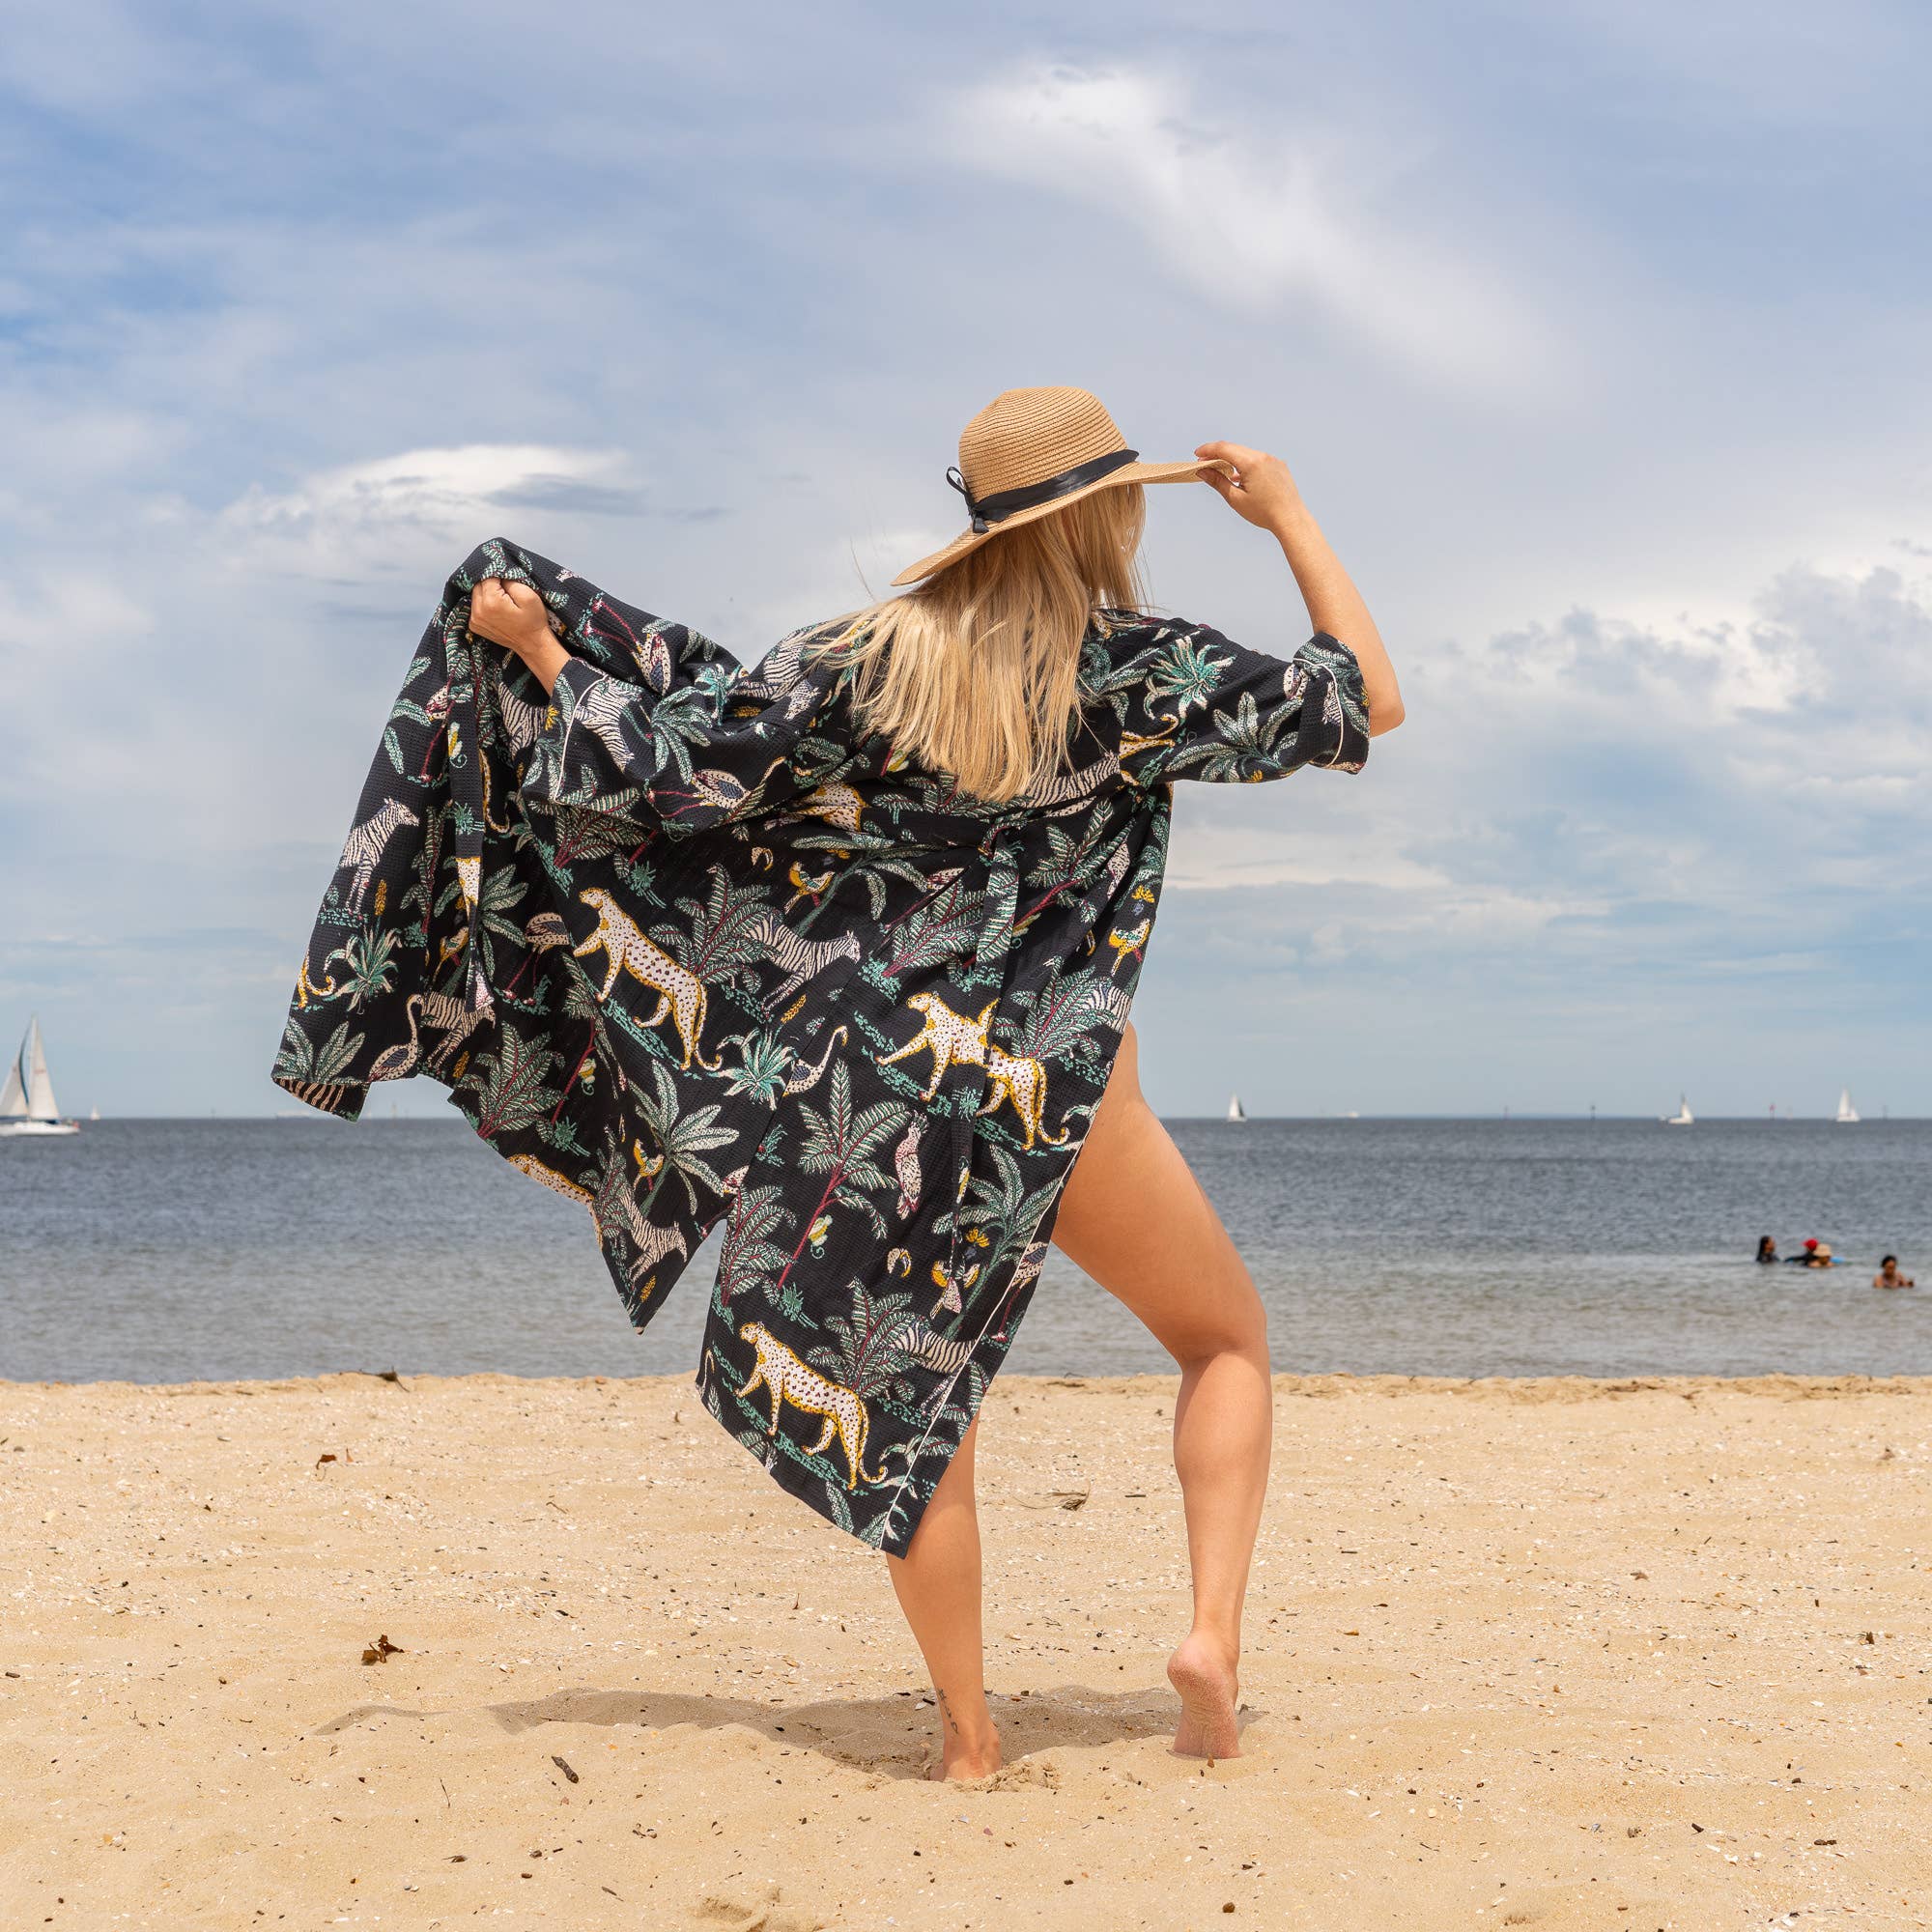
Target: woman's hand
x=1262, y=489
x=513, y=616
x=510, y=615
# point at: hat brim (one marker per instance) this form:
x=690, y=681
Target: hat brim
x=1129, y=473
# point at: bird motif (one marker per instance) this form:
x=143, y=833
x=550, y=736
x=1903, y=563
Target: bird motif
x=949, y=1285
x=393, y=1062
x=809, y=889
x=545, y=931
x=1128, y=945
x=905, y=1164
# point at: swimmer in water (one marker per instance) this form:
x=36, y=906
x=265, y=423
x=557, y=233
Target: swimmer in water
x=1888, y=1276
x=1808, y=1259
x=1767, y=1249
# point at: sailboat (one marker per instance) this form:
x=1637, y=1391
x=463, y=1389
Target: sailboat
x=1683, y=1118
x=1235, y=1109
x=27, y=1101
x=1847, y=1114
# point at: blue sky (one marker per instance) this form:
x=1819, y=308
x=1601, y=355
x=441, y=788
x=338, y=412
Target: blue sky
x=1595, y=335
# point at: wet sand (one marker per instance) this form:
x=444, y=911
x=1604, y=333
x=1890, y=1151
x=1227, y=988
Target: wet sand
x=1550, y=1653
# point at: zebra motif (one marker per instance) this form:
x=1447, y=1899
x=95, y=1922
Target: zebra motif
x=1076, y=784
x=930, y=1348
x=799, y=960
x=781, y=675
x=523, y=723
x=362, y=851
x=614, y=1206
x=601, y=711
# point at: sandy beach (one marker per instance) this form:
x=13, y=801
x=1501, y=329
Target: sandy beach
x=1556, y=1652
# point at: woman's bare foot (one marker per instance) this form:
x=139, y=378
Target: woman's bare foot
x=964, y=1759
x=1203, y=1672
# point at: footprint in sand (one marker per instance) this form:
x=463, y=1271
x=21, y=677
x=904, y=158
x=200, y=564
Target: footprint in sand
x=755, y=1909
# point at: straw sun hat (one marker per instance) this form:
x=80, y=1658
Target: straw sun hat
x=1029, y=452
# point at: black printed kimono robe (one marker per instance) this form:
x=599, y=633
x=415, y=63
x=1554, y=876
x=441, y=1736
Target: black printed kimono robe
x=687, y=947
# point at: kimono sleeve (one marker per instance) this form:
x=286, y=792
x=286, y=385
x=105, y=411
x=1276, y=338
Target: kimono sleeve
x=1214, y=710
x=685, y=760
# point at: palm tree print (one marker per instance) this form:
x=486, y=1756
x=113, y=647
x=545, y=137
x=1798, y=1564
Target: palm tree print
x=802, y=903
x=681, y=1137
x=845, y=1146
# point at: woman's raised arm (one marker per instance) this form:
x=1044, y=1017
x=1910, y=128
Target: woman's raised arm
x=1264, y=494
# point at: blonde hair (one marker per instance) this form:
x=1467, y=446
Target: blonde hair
x=975, y=672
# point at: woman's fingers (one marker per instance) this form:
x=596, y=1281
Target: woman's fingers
x=499, y=611
x=1238, y=454
x=1263, y=489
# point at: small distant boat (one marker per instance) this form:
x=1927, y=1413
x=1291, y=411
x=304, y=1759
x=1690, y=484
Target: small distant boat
x=1683, y=1118
x=1234, y=1108
x=1847, y=1114
x=94, y=1113
x=27, y=1101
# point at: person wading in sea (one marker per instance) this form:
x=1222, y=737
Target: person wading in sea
x=838, y=952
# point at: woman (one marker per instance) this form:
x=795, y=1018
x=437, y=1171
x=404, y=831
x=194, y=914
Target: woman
x=913, y=858
x=1767, y=1249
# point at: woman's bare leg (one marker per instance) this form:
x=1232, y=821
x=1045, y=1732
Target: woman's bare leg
x=938, y=1586
x=1133, y=1216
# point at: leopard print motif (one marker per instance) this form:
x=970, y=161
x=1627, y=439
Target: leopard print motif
x=953, y=1039
x=838, y=804
x=790, y=1379
x=1023, y=1083
x=948, y=1036
x=557, y=1184
x=680, y=992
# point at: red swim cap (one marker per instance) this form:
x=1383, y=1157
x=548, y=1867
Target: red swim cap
x=1812, y=1243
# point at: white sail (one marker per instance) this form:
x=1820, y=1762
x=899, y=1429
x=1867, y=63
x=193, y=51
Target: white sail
x=1847, y=1114
x=40, y=1084
x=27, y=1103
x=1235, y=1110
x=1683, y=1118
x=13, y=1099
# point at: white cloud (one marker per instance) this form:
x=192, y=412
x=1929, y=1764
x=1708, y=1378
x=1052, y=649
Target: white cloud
x=381, y=514
x=1253, y=214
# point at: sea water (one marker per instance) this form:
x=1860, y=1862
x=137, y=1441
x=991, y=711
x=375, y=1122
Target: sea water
x=177, y=1250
